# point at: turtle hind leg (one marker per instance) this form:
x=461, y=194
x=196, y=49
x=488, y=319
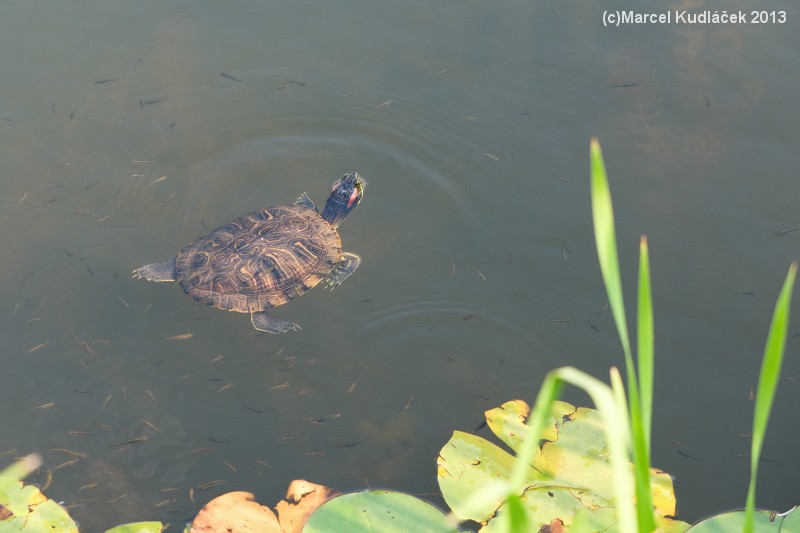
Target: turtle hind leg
x=157, y=271
x=263, y=322
x=342, y=270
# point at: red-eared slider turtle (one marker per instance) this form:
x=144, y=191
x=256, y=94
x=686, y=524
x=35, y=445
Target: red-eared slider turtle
x=268, y=257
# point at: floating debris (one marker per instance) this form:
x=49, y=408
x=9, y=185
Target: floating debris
x=778, y=232
x=224, y=388
x=210, y=485
x=37, y=347
x=181, y=337
x=351, y=443
x=474, y=315
x=93, y=485
x=65, y=464
x=121, y=300
x=224, y=75
x=278, y=387
x=47, y=482
x=205, y=449
x=407, y=406
x=128, y=442
x=151, y=426
x=257, y=411
x=80, y=433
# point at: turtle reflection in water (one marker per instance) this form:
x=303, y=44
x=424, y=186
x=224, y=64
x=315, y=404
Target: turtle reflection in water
x=268, y=257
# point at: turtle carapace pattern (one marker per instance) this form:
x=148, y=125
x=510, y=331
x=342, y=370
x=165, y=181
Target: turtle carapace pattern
x=268, y=257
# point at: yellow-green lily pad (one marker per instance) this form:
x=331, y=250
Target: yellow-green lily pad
x=25, y=509
x=569, y=472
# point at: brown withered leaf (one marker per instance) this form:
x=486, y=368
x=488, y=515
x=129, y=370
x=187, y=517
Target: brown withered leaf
x=302, y=499
x=5, y=512
x=238, y=512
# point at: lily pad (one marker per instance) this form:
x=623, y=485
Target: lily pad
x=378, y=511
x=25, y=509
x=764, y=521
x=569, y=473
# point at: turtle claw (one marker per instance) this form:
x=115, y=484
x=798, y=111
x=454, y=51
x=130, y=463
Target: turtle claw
x=342, y=270
x=263, y=322
x=156, y=272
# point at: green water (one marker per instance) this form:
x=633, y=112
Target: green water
x=470, y=120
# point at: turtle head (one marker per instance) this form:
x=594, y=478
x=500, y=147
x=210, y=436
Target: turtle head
x=347, y=192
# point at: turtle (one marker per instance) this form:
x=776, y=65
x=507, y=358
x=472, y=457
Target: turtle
x=268, y=257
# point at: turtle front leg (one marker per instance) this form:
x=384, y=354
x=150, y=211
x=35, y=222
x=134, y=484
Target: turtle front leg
x=263, y=322
x=342, y=270
x=157, y=271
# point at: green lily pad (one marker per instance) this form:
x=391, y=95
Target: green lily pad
x=764, y=521
x=25, y=509
x=569, y=473
x=378, y=511
x=138, y=527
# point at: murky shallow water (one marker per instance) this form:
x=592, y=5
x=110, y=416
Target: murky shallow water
x=471, y=123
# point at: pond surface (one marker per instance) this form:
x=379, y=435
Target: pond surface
x=131, y=128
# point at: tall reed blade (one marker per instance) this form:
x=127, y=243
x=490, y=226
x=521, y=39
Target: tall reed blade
x=644, y=342
x=605, y=239
x=767, y=384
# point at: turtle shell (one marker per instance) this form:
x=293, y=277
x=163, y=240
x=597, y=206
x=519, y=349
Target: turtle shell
x=260, y=260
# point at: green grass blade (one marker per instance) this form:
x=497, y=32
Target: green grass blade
x=606, y=241
x=767, y=384
x=610, y=402
x=517, y=515
x=548, y=393
x=644, y=342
